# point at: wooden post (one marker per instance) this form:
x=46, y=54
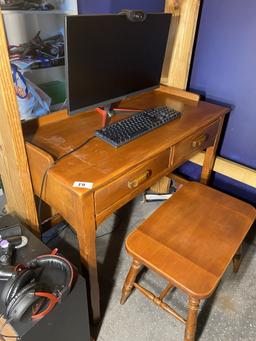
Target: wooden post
x=14, y=168
x=181, y=41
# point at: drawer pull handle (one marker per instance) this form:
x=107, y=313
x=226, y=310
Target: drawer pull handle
x=199, y=141
x=136, y=182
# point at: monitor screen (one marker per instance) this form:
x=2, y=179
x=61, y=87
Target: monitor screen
x=109, y=57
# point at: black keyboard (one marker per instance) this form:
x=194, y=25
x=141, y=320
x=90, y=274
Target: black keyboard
x=136, y=125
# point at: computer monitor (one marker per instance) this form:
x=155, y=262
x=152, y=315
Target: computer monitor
x=109, y=57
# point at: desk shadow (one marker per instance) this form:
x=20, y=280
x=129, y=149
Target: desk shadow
x=64, y=238
x=107, y=269
x=247, y=257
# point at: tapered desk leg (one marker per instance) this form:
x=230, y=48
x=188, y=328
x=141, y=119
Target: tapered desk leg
x=86, y=233
x=209, y=158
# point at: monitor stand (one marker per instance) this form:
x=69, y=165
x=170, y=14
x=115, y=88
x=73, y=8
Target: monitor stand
x=109, y=110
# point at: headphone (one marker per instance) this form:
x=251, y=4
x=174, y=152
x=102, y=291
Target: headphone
x=23, y=291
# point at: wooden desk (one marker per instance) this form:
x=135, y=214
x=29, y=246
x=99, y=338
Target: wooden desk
x=118, y=175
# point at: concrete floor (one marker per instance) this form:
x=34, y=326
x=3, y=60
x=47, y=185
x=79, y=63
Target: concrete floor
x=230, y=314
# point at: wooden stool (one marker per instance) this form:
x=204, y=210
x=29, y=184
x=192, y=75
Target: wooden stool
x=190, y=240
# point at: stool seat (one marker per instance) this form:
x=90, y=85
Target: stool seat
x=189, y=240
x=192, y=237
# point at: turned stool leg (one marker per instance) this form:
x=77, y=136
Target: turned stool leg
x=190, y=330
x=128, y=284
x=237, y=259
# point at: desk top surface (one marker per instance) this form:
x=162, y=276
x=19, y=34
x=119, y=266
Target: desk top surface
x=98, y=161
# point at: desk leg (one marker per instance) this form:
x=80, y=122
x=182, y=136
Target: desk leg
x=209, y=158
x=86, y=233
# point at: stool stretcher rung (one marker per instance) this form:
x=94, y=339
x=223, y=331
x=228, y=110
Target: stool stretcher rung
x=165, y=291
x=159, y=302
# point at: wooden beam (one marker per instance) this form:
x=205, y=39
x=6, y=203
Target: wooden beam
x=185, y=95
x=181, y=41
x=14, y=168
x=230, y=169
x=172, y=6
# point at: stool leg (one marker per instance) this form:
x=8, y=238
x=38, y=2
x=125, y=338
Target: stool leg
x=237, y=259
x=193, y=307
x=129, y=281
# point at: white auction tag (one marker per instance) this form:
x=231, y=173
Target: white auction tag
x=82, y=184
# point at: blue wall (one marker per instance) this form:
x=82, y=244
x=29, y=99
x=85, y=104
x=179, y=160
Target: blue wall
x=94, y=6
x=224, y=69
x=113, y=6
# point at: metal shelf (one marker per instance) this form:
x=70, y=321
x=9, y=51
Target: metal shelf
x=61, y=12
x=42, y=68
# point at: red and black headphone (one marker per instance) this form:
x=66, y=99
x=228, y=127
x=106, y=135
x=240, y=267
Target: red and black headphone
x=23, y=291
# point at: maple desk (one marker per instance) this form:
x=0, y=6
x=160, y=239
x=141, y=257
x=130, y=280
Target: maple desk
x=118, y=175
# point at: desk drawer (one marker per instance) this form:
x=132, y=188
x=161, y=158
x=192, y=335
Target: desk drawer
x=130, y=182
x=199, y=141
